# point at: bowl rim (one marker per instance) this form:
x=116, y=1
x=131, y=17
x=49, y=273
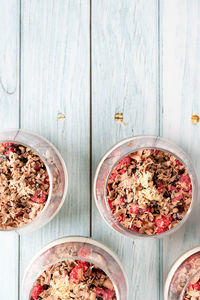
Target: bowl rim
x=79, y=239
x=194, y=182
x=25, y=227
x=177, y=263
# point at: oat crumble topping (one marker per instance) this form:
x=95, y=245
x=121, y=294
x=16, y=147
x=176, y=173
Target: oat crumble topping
x=24, y=185
x=193, y=289
x=73, y=279
x=149, y=191
x=182, y=275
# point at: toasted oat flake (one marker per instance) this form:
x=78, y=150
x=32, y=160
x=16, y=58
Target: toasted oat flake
x=24, y=185
x=149, y=191
x=73, y=279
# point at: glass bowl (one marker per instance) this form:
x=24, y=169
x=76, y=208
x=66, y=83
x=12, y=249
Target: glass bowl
x=57, y=172
x=182, y=273
x=76, y=248
x=114, y=155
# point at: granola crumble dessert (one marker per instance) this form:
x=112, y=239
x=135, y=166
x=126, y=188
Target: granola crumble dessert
x=193, y=289
x=73, y=279
x=24, y=185
x=149, y=191
x=182, y=275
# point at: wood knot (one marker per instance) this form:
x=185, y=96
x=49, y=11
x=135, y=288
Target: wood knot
x=60, y=117
x=195, y=119
x=119, y=117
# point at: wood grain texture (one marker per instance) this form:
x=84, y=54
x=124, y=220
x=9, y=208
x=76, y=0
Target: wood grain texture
x=55, y=67
x=125, y=80
x=55, y=79
x=180, y=43
x=9, y=115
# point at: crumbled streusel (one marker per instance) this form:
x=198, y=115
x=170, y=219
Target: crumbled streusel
x=182, y=275
x=24, y=185
x=193, y=289
x=73, y=279
x=149, y=191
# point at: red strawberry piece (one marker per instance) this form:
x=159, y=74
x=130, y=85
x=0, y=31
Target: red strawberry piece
x=196, y=286
x=194, y=256
x=6, y=145
x=104, y=294
x=178, y=163
x=190, y=286
x=155, y=151
x=46, y=180
x=120, y=218
x=134, y=209
x=74, y=275
x=122, y=200
x=173, y=188
x=38, y=198
x=167, y=220
x=135, y=229
x=112, y=176
x=20, y=213
x=122, y=171
x=177, y=198
x=186, y=179
x=37, y=167
x=126, y=161
x=84, y=252
x=143, y=210
x=110, y=204
x=160, y=187
x=161, y=229
x=190, y=190
x=36, y=291
x=163, y=221
x=9, y=150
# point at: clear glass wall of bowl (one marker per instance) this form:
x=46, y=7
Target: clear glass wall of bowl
x=189, y=290
x=56, y=170
x=183, y=272
x=114, y=155
x=69, y=249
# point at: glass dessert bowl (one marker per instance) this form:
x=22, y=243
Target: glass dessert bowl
x=145, y=186
x=75, y=266
x=183, y=279
x=33, y=181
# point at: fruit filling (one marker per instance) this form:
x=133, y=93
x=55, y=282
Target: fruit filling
x=149, y=191
x=73, y=279
x=24, y=185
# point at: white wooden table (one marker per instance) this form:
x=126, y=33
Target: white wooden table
x=89, y=60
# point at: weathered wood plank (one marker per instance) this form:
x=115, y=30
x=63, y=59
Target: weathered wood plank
x=180, y=43
x=125, y=80
x=55, y=79
x=9, y=115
